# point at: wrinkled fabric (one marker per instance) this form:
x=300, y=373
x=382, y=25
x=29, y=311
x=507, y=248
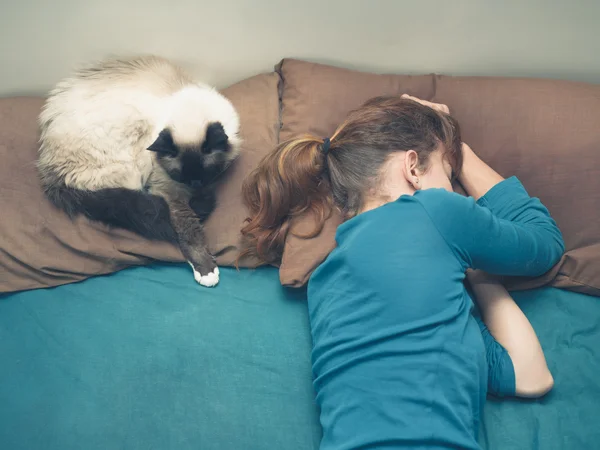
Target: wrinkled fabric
x=145, y=359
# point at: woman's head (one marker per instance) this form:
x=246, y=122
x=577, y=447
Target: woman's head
x=388, y=147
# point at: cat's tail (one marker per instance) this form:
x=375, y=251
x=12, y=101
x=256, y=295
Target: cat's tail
x=140, y=212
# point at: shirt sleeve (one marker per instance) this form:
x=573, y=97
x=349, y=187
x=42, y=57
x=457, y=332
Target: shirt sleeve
x=501, y=372
x=506, y=232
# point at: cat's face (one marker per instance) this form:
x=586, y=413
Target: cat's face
x=199, y=138
x=196, y=165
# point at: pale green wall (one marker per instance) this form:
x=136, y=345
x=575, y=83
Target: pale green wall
x=226, y=40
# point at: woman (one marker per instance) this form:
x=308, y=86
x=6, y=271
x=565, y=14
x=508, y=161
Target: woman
x=399, y=361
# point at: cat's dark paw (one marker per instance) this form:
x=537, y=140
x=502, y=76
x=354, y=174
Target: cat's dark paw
x=203, y=204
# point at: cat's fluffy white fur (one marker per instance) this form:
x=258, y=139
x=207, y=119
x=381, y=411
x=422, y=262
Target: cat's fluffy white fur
x=80, y=117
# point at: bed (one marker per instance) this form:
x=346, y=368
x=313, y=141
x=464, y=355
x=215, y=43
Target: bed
x=146, y=359
x=102, y=347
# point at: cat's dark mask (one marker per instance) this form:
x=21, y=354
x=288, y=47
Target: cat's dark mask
x=215, y=140
x=194, y=165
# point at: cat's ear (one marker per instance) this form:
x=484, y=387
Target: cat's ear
x=164, y=145
x=216, y=138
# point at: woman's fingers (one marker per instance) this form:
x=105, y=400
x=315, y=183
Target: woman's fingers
x=437, y=106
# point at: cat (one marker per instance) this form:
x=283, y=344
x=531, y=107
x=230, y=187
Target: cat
x=131, y=142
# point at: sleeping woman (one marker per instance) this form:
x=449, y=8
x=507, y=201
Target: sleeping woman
x=399, y=359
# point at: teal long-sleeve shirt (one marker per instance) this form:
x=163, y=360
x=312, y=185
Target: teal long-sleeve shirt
x=399, y=361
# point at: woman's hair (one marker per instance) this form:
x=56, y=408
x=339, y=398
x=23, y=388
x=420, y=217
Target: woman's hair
x=299, y=177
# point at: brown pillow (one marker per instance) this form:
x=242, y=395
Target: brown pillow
x=41, y=247
x=545, y=132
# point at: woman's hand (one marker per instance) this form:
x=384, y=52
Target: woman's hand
x=436, y=106
x=510, y=327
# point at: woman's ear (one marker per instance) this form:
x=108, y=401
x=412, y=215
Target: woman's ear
x=411, y=169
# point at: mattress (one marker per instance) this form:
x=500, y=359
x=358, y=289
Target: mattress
x=147, y=359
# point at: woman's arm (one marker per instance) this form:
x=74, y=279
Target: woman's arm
x=506, y=232
x=511, y=329
x=476, y=176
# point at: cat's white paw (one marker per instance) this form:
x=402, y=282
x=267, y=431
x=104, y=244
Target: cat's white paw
x=209, y=280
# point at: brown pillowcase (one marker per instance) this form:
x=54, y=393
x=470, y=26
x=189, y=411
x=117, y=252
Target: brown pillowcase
x=41, y=247
x=545, y=132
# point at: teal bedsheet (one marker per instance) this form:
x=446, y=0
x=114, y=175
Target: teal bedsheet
x=147, y=359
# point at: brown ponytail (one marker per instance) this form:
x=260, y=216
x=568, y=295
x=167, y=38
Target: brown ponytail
x=288, y=182
x=298, y=177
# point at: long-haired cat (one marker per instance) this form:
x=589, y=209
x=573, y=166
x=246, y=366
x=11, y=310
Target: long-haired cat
x=130, y=142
